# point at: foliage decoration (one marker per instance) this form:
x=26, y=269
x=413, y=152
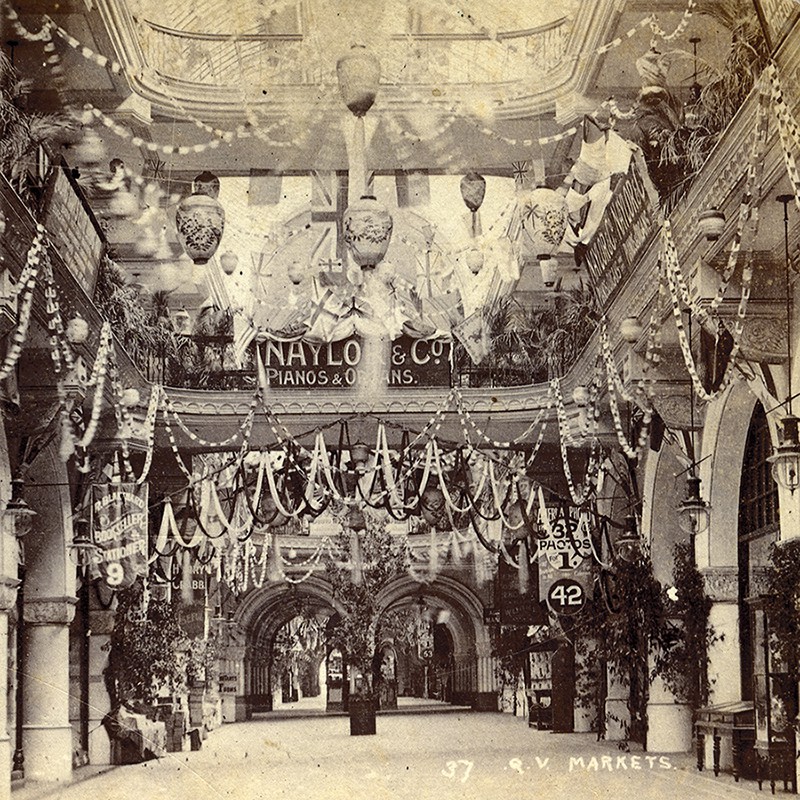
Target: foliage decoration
x=782, y=609
x=383, y=561
x=144, y=652
x=23, y=131
x=684, y=665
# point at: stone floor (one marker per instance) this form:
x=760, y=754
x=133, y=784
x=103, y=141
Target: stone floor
x=413, y=755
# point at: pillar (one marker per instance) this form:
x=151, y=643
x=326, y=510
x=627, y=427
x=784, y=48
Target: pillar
x=669, y=722
x=49, y=607
x=617, y=715
x=8, y=593
x=101, y=624
x=486, y=694
x=47, y=733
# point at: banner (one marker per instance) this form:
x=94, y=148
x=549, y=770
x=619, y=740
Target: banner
x=119, y=525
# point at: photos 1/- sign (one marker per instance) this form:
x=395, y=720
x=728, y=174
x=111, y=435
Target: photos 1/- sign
x=336, y=365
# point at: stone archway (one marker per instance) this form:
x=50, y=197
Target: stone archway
x=260, y=615
x=473, y=673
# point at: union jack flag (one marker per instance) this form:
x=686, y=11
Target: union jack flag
x=519, y=169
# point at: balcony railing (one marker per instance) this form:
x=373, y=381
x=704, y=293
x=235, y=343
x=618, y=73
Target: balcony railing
x=198, y=362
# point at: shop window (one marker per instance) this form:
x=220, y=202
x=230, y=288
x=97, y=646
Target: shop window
x=758, y=520
x=758, y=496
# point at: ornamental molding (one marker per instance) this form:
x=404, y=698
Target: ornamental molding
x=721, y=583
x=8, y=594
x=288, y=402
x=49, y=610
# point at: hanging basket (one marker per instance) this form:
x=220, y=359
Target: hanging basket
x=367, y=231
x=200, y=219
x=358, y=73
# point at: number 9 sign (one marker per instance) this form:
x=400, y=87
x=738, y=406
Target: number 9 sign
x=566, y=596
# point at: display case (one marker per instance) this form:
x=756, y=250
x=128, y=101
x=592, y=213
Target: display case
x=775, y=696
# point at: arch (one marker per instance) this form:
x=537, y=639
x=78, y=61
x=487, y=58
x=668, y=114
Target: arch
x=258, y=601
x=470, y=632
x=727, y=421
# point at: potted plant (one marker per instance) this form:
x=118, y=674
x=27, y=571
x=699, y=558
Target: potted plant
x=22, y=132
x=369, y=559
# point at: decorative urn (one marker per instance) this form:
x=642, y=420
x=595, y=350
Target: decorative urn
x=367, y=231
x=358, y=74
x=544, y=220
x=200, y=219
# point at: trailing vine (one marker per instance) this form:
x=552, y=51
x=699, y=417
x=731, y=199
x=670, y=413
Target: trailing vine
x=144, y=653
x=782, y=608
x=683, y=660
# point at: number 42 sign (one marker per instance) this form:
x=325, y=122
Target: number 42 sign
x=566, y=596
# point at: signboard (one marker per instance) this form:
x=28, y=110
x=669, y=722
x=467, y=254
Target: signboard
x=568, y=542
x=566, y=596
x=776, y=17
x=516, y=608
x=420, y=362
x=119, y=525
x=628, y=224
x=338, y=365
x=72, y=227
x=300, y=364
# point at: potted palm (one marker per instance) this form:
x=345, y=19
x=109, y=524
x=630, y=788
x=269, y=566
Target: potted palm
x=370, y=558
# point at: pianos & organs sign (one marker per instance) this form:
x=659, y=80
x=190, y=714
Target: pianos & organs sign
x=338, y=365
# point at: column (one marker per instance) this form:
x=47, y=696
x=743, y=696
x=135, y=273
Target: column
x=669, y=722
x=724, y=669
x=486, y=695
x=101, y=624
x=616, y=710
x=47, y=734
x=8, y=594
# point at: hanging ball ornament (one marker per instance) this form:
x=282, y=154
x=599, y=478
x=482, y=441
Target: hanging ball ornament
x=77, y=330
x=229, y=261
x=200, y=219
x=123, y=204
x=296, y=272
x=473, y=190
x=358, y=73
x=146, y=243
x=544, y=220
x=475, y=261
x=630, y=329
x=580, y=396
x=130, y=397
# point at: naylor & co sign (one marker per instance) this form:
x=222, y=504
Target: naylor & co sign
x=332, y=365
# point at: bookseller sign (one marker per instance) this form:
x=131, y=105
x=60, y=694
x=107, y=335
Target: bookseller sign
x=119, y=524
x=342, y=365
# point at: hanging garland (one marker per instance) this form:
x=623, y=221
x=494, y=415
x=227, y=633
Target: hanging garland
x=20, y=333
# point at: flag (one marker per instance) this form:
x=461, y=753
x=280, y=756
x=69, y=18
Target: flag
x=264, y=188
x=328, y=204
x=413, y=188
x=474, y=336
